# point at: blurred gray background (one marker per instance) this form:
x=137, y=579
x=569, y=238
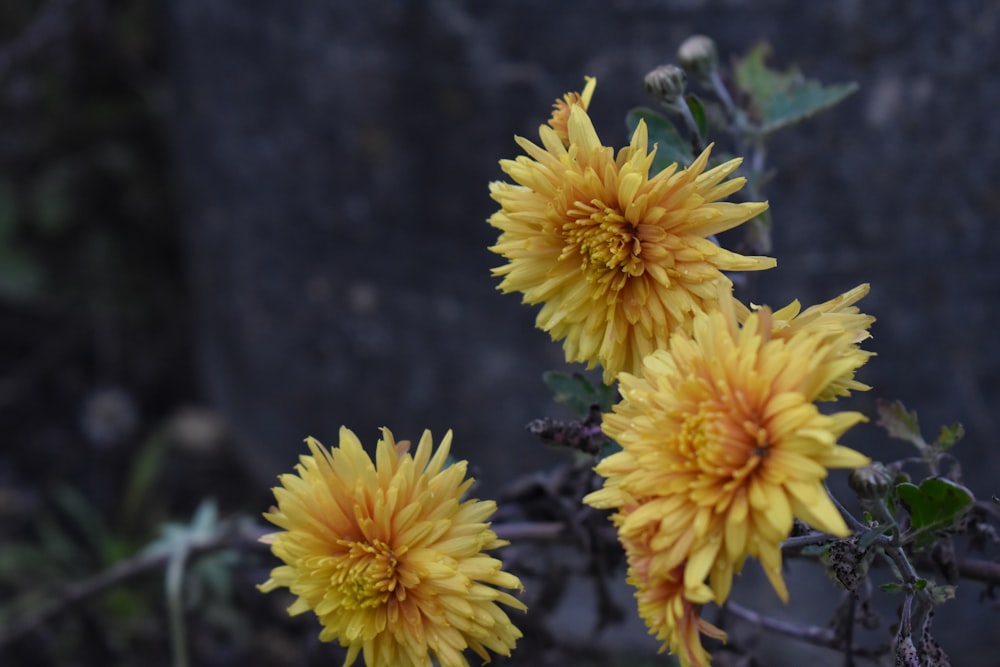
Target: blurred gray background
x=333, y=161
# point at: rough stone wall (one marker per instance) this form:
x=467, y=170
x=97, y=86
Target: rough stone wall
x=333, y=159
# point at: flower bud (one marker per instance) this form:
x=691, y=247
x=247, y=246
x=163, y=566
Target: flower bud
x=872, y=481
x=666, y=83
x=698, y=56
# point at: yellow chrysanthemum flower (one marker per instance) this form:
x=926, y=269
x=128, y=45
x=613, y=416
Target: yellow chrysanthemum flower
x=619, y=258
x=388, y=555
x=670, y=611
x=833, y=318
x=561, y=108
x=722, y=446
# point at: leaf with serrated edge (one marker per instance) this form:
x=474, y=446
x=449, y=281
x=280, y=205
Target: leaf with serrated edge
x=949, y=436
x=780, y=99
x=899, y=422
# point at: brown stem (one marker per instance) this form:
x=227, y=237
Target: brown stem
x=239, y=535
x=810, y=634
x=974, y=569
x=529, y=531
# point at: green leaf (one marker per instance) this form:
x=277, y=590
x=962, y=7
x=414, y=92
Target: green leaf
x=59, y=546
x=178, y=537
x=211, y=578
x=891, y=587
x=147, y=466
x=698, y=113
x=820, y=550
x=176, y=541
x=949, y=436
x=577, y=393
x=869, y=537
x=608, y=448
x=942, y=593
x=85, y=517
x=900, y=423
x=671, y=145
x=935, y=505
x=779, y=99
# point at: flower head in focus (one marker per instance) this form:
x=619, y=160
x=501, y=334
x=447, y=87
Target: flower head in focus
x=722, y=446
x=835, y=319
x=559, y=121
x=618, y=257
x=388, y=555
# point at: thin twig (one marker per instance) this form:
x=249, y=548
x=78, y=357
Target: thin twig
x=530, y=531
x=851, y=600
x=723, y=94
x=899, y=559
x=810, y=539
x=174, y=586
x=239, y=535
x=809, y=634
x=973, y=569
x=851, y=519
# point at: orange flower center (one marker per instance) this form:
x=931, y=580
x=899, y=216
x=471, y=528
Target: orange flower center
x=609, y=246
x=725, y=444
x=366, y=574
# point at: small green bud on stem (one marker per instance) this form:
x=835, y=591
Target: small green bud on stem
x=871, y=482
x=666, y=83
x=698, y=56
